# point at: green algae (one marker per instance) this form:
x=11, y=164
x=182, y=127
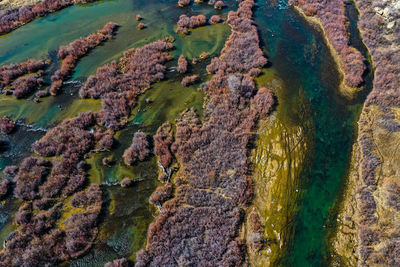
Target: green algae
x=305, y=213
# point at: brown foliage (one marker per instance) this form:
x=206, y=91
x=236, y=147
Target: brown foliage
x=199, y=225
x=6, y=125
x=185, y=23
x=71, y=53
x=263, y=101
x=162, y=144
x=12, y=77
x=138, y=150
x=182, y=64
x=14, y=18
x=190, y=79
x=118, y=84
x=183, y=3
x=333, y=19
x=161, y=194
x=214, y=19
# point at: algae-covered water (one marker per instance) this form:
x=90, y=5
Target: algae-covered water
x=302, y=152
x=304, y=149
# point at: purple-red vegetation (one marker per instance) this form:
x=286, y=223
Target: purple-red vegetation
x=10, y=171
x=6, y=125
x=68, y=138
x=214, y=19
x=4, y=188
x=183, y=3
x=219, y=5
x=185, y=23
x=333, y=19
x=138, y=150
x=39, y=239
x=24, y=86
x=190, y=79
x=14, y=18
x=255, y=239
x=118, y=84
x=263, y=101
x=141, y=26
x=31, y=174
x=126, y=182
x=42, y=93
x=87, y=198
x=182, y=64
x=161, y=194
x=118, y=263
x=13, y=79
x=212, y=183
x=162, y=145
x=71, y=53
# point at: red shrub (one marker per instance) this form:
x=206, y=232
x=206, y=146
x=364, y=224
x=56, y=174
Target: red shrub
x=141, y=25
x=162, y=144
x=30, y=175
x=126, y=182
x=77, y=49
x=182, y=64
x=161, y=194
x=189, y=80
x=219, y=5
x=8, y=73
x=138, y=150
x=183, y=3
x=185, y=23
x=118, y=84
x=4, y=187
x=333, y=18
x=263, y=101
x=24, y=86
x=6, y=125
x=214, y=19
x=212, y=184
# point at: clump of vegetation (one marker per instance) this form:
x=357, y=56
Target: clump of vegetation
x=212, y=183
x=6, y=125
x=214, y=19
x=182, y=64
x=138, y=150
x=332, y=15
x=185, y=23
x=71, y=53
x=118, y=84
x=14, y=18
x=190, y=79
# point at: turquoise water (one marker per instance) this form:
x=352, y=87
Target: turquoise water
x=302, y=60
x=127, y=211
